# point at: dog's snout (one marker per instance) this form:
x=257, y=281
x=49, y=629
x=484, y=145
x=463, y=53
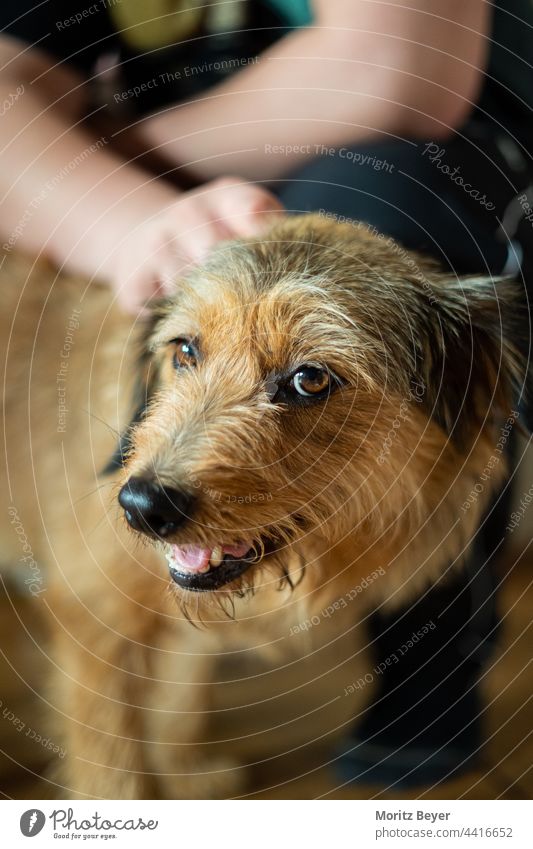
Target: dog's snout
x=152, y=508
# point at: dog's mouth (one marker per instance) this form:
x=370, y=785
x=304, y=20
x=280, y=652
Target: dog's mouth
x=200, y=569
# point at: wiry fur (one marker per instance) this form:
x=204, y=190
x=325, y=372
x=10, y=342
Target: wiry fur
x=132, y=672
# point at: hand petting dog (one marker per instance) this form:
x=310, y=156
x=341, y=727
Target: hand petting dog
x=154, y=255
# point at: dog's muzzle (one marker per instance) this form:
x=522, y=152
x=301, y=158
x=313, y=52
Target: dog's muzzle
x=159, y=511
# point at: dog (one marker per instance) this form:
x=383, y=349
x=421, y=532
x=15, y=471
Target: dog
x=297, y=430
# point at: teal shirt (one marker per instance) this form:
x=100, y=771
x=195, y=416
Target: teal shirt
x=296, y=12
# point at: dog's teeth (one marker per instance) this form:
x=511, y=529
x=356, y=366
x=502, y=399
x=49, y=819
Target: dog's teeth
x=217, y=556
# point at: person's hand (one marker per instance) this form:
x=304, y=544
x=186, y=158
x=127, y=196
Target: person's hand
x=150, y=260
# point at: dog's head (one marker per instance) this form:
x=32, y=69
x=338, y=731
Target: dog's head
x=309, y=385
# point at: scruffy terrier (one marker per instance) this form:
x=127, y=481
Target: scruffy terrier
x=312, y=411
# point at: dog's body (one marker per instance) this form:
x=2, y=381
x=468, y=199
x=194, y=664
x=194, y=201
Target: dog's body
x=354, y=497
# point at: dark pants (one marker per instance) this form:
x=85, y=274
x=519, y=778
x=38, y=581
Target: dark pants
x=425, y=720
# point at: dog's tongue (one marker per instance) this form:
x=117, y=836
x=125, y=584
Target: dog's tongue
x=194, y=558
x=237, y=550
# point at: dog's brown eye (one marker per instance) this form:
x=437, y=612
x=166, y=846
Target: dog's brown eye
x=310, y=381
x=185, y=354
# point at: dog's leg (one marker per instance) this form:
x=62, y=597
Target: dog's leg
x=182, y=671
x=133, y=709
x=104, y=625
x=99, y=689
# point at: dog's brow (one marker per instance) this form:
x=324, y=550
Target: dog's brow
x=174, y=327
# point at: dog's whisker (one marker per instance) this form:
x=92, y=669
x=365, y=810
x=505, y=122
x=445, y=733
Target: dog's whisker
x=93, y=491
x=92, y=530
x=286, y=578
x=112, y=429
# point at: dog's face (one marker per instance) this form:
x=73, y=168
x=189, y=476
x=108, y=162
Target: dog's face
x=273, y=381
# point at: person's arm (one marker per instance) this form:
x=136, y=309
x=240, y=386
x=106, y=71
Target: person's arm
x=62, y=190
x=364, y=67
x=65, y=193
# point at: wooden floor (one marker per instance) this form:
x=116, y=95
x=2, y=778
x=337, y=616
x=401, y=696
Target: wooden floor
x=505, y=769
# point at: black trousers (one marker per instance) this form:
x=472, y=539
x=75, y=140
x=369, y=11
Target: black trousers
x=458, y=201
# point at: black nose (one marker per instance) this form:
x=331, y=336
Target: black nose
x=154, y=509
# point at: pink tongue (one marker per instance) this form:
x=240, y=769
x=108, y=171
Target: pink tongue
x=237, y=550
x=192, y=557
x=195, y=558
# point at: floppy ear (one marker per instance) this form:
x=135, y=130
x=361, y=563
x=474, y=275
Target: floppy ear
x=145, y=386
x=477, y=354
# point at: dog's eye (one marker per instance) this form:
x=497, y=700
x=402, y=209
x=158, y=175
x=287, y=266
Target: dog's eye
x=306, y=384
x=185, y=353
x=310, y=381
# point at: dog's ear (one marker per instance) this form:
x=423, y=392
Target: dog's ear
x=145, y=386
x=476, y=355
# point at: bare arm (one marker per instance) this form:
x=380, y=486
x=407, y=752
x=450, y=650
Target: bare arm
x=59, y=190
x=365, y=67
x=67, y=194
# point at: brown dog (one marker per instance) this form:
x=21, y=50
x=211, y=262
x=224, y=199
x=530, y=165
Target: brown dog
x=314, y=410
